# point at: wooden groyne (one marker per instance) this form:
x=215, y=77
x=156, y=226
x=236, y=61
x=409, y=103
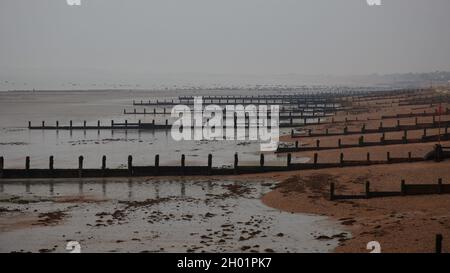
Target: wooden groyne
x=184, y=170
x=307, y=107
x=421, y=114
x=362, y=143
x=405, y=189
x=381, y=129
x=154, y=126
x=419, y=101
x=283, y=114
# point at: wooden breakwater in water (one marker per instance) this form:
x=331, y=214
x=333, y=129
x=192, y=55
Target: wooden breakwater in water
x=283, y=114
x=183, y=169
x=165, y=126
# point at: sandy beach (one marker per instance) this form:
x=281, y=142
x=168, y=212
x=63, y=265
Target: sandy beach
x=287, y=211
x=399, y=224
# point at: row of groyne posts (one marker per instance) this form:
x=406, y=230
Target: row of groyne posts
x=330, y=103
x=283, y=113
x=379, y=129
x=311, y=109
x=398, y=116
x=405, y=190
x=166, y=125
x=237, y=122
x=362, y=143
x=438, y=154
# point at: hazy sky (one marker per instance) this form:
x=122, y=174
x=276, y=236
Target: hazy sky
x=49, y=42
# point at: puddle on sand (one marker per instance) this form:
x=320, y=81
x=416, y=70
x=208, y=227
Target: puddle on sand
x=154, y=215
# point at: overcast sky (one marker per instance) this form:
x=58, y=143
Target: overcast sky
x=49, y=42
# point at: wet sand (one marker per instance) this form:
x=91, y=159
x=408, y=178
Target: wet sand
x=156, y=215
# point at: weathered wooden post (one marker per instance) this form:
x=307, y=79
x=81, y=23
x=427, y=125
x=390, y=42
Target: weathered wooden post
x=331, y=191
x=409, y=157
x=339, y=143
x=345, y=130
x=381, y=126
x=316, y=157
x=209, y=163
x=318, y=143
x=43, y=124
x=296, y=144
x=84, y=124
x=157, y=163
x=70, y=125
x=2, y=166
x=130, y=165
x=438, y=152
x=29, y=124
x=183, y=162
x=326, y=131
x=367, y=189
x=361, y=141
x=416, y=121
x=261, y=160
x=167, y=122
x=405, y=136
x=98, y=124
x=368, y=157
x=236, y=162
x=424, y=132
x=57, y=125
x=383, y=136
x=104, y=162
x=439, y=239
x=292, y=133
x=309, y=132
x=112, y=124
x=145, y=111
x=341, y=159
x=403, y=187
x=388, y=157
x=139, y=124
x=126, y=124
x=80, y=166
x=398, y=123
x=363, y=128
x=440, y=186
x=27, y=163
x=289, y=159
x=50, y=163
